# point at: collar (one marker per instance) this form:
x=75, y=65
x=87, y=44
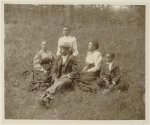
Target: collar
x=90, y=52
x=110, y=63
x=44, y=51
x=64, y=56
x=67, y=36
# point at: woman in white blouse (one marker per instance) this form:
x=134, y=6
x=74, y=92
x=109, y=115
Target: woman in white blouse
x=71, y=40
x=91, y=71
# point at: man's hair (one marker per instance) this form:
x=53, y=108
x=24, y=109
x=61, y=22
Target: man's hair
x=95, y=44
x=66, y=26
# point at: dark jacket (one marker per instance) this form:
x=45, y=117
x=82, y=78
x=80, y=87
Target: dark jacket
x=70, y=68
x=113, y=75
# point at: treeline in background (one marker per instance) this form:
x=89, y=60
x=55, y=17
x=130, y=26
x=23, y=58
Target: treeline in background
x=77, y=14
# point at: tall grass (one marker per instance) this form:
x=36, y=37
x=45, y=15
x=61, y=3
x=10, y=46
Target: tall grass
x=23, y=40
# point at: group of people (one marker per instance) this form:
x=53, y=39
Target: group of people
x=61, y=73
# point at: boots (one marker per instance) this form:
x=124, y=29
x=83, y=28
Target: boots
x=46, y=99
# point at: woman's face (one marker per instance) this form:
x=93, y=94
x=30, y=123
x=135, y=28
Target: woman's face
x=91, y=46
x=66, y=31
x=44, y=46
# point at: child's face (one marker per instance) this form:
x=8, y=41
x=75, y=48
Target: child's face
x=109, y=58
x=64, y=51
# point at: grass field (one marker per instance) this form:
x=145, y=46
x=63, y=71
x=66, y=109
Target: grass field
x=22, y=41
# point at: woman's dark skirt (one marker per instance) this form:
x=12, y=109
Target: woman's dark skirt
x=88, y=81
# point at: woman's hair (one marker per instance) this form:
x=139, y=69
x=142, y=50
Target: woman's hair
x=66, y=26
x=43, y=42
x=95, y=44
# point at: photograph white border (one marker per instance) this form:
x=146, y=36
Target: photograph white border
x=112, y=2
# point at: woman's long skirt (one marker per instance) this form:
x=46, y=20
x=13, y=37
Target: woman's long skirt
x=88, y=82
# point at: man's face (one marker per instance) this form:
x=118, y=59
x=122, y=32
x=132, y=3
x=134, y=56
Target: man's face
x=109, y=58
x=44, y=46
x=66, y=31
x=64, y=51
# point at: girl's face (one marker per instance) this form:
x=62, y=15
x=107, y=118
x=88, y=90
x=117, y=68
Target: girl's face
x=44, y=46
x=66, y=31
x=91, y=46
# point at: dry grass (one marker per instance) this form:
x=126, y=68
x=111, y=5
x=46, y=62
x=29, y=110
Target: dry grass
x=21, y=43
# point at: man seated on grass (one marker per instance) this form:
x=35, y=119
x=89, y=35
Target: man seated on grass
x=64, y=74
x=110, y=75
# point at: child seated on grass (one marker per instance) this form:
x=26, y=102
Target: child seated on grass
x=110, y=75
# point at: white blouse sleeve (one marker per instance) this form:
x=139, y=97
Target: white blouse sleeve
x=97, y=61
x=75, y=49
x=58, y=48
x=36, y=63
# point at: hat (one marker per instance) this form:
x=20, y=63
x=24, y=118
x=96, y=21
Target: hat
x=65, y=45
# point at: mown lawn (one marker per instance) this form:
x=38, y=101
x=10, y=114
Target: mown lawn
x=128, y=42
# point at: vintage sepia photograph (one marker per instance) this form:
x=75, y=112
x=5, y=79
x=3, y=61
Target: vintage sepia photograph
x=74, y=62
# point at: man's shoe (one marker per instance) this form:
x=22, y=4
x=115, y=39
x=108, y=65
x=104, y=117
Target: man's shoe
x=47, y=100
x=47, y=103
